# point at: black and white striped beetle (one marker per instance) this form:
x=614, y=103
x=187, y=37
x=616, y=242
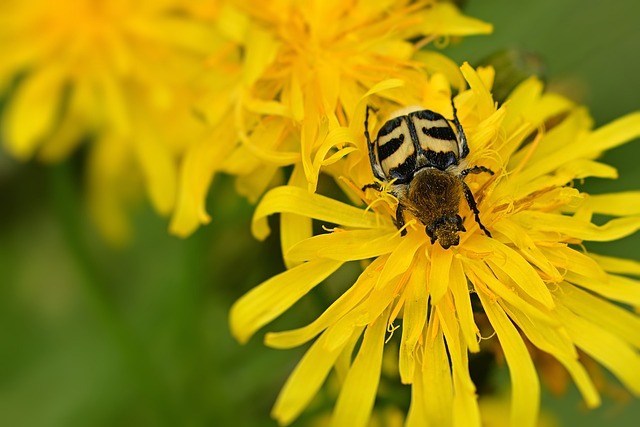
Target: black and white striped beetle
x=420, y=156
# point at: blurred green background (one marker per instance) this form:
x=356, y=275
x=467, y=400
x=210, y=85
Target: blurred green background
x=94, y=336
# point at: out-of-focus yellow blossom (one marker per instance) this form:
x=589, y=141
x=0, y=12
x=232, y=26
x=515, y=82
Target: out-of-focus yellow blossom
x=533, y=280
x=306, y=65
x=120, y=73
x=494, y=412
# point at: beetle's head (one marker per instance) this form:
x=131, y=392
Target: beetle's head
x=445, y=230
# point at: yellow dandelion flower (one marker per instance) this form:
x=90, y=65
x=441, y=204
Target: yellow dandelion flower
x=305, y=66
x=117, y=72
x=535, y=283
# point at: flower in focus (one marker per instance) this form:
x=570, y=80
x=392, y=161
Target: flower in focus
x=116, y=72
x=306, y=64
x=535, y=283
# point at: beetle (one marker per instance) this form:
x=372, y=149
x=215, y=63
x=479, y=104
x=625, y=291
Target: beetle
x=422, y=160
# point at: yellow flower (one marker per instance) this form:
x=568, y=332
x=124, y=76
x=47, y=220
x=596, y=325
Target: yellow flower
x=533, y=279
x=306, y=64
x=118, y=72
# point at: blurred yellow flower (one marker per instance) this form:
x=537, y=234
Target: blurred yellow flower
x=494, y=412
x=118, y=72
x=306, y=64
x=532, y=279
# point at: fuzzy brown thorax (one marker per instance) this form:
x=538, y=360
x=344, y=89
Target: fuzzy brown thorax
x=433, y=197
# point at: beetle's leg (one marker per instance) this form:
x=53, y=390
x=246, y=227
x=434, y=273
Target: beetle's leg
x=474, y=208
x=377, y=171
x=375, y=185
x=464, y=147
x=475, y=169
x=400, y=219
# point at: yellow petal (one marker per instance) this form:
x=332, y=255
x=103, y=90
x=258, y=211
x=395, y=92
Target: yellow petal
x=64, y=140
x=483, y=98
x=439, y=274
x=462, y=300
x=617, y=288
x=617, y=265
x=261, y=49
x=305, y=381
x=609, y=316
x=346, y=245
x=329, y=79
x=358, y=392
x=413, y=321
x=525, y=387
x=301, y=202
x=466, y=412
x=198, y=167
x=576, y=169
x=232, y=22
x=609, y=136
x=457, y=350
x=271, y=298
x=578, y=120
x=400, y=259
x=438, y=387
x=69, y=132
x=357, y=317
x=550, y=199
x=294, y=228
x=345, y=359
x=158, y=165
x=619, y=131
x=267, y=108
x=435, y=62
x=509, y=294
x=32, y=111
x=297, y=98
x=566, y=258
x=520, y=98
x=108, y=185
x=557, y=343
x=113, y=98
x=465, y=400
x=350, y=95
x=380, y=298
x=486, y=132
x=616, y=204
x=260, y=144
x=527, y=247
x=446, y=19
x=180, y=32
x=582, y=168
x=416, y=416
x=513, y=265
x=335, y=137
x=313, y=129
x=548, y=106
x=606, y=348
x=343, y=305
x=254, y=184
x=383, y=86
x=584, y=230
x=487, y=75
